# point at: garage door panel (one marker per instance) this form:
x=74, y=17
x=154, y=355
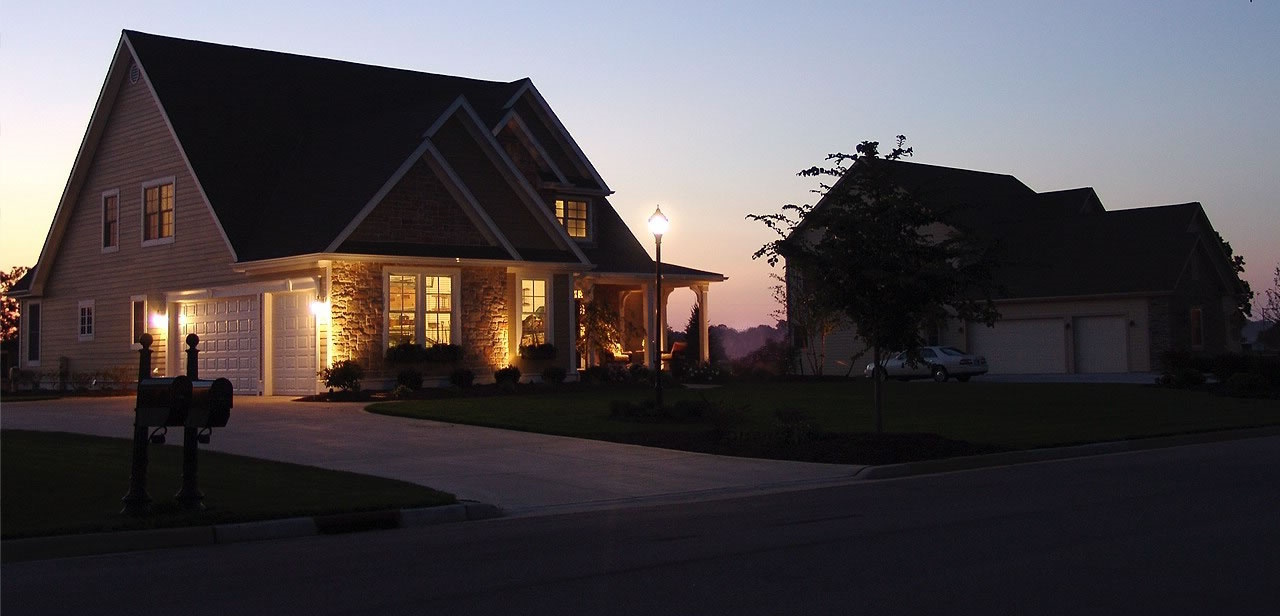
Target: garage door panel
x=1021, y=346
x=1101, y=344
x=229, y=344
x=293, y=351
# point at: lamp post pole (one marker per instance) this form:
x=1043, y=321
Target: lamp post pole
x=658, y=225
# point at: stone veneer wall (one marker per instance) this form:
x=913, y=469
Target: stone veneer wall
x=358, y=318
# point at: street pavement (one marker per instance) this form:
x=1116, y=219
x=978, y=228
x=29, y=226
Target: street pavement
x=523, y=473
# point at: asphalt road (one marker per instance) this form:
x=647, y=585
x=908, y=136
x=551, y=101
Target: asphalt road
x=1187, y=530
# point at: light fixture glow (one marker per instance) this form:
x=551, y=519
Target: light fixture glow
x=320, y=308
x=159, y=320
x=658, y=222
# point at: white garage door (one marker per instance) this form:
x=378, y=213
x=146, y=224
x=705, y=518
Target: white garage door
x=229, y=339
x=1101, y=344
x=293, y=348
x=1021, y=346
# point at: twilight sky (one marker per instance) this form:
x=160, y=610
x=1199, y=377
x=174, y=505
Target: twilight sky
x=709, y=108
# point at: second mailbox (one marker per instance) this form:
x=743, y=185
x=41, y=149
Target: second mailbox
x=163, y=402
x=210, y=404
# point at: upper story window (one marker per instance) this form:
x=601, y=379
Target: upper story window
x=533, y=312
x=1197, y=328
x=111, y=221
x=420, y=308
x=572, y=214
x=157, y=212
x=86, y=320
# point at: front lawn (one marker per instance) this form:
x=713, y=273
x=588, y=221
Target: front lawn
x=831, y=421
x=59, y=483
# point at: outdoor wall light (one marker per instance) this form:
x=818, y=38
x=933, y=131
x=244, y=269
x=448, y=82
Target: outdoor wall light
x=320, y=309
x=159, y=320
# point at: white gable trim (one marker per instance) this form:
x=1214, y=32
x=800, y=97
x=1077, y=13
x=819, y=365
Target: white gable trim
x=541, y=103
x=182, y=151
x=528, y=195
x=526, y=136
x=464, y=196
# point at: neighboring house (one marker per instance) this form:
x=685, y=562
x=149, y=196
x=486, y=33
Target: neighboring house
x=1082, y=289
x=295, y=211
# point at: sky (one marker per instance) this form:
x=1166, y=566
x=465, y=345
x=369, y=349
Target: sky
x=710, y=108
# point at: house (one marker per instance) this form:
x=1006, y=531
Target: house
x=1080, y=289
x=295, y=211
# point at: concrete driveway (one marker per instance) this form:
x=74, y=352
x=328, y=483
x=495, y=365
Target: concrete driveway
x=522, y=473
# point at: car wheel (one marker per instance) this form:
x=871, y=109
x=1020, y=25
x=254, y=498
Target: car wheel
x=962, y=379
x=940, y=374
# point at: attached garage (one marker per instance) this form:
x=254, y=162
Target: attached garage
x=293, y=344
x=1021, y=346
x=230, y=339
x=1101, y=344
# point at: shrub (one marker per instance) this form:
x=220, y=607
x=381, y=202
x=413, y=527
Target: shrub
x=538, y=351
x=442, y=353
x=596, y=374
x=462, y=378
x=344, y=375
x=1247, y=385
x=507, y=378
x=401, y=392
x=410, y=378
x=554, y=374
x=639, y=373
x=406, y=353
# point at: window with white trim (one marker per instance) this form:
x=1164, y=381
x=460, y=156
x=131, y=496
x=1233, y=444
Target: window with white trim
x=420, y=308
x=86, y=320
x=573, y=214
x=137, y=320
x=111, y=221
x=157, y=212
x=533, y=312
x=31, y=322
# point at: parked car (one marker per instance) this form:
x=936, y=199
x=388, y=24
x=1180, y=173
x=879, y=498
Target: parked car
x=939, y=362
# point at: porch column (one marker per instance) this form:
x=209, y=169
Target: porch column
x=704, y=319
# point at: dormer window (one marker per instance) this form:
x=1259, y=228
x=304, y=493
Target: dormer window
x=572, y=214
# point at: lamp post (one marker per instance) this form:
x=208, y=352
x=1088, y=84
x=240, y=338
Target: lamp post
x=658, y=225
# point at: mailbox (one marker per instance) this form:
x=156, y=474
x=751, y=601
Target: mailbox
x=210, y=404
x=163, y=402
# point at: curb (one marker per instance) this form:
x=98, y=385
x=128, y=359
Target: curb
x=929, y=467
x=44, y=548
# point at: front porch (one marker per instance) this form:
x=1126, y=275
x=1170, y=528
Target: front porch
x=626, y=303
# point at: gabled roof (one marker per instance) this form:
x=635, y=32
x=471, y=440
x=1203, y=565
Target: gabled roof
x=1065, y=243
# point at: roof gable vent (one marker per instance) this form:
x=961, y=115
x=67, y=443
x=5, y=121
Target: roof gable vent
x=135, y=74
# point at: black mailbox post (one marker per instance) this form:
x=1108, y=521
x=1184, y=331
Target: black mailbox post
x=196, y=405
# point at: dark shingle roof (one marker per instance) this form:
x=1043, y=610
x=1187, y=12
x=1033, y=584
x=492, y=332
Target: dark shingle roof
x=281, y=140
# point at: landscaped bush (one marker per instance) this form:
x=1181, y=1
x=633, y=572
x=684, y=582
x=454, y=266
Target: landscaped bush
x=554, y=375
x=595, y=375
x=462, y=378
x=507, y=378
x=1181, y=369
x=538, y=351
x=1248, y=385
x=410, y=378
x=401, y=392
x=345, y=375
x=639, y=373
x=409, y=353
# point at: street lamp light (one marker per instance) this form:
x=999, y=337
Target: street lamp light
x=658, y=225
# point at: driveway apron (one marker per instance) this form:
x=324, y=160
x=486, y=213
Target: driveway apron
x=518, y=471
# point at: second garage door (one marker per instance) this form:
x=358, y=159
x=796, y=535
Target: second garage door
x=1102, y=344
x=1021, y=346
x=230, y=334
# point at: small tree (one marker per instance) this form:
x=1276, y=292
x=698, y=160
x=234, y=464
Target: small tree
x=810, y=317
x=599, y=325
x=1270, y=312
x=880, y=254
x=693, y=339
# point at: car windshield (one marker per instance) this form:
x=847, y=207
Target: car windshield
x=952, y=351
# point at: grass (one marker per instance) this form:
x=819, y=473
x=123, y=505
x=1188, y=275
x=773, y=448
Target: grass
x=923, y=420
x=59, y=483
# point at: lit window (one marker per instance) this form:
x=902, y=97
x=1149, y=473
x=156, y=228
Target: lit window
x=533, y=312
x=110, y=221
x=573, y=215
x=419, y=309
x=86, y=320
x=157, y=213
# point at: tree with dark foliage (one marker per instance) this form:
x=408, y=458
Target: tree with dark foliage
x=881, y=255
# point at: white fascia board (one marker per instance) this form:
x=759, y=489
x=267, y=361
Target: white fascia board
x=526, y=136
x=527, y=193
x=529, y=88
x=468, y=200
x=379, y=196
x=182, y=151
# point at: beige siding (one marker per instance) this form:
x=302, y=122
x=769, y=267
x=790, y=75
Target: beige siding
x=136, y=147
